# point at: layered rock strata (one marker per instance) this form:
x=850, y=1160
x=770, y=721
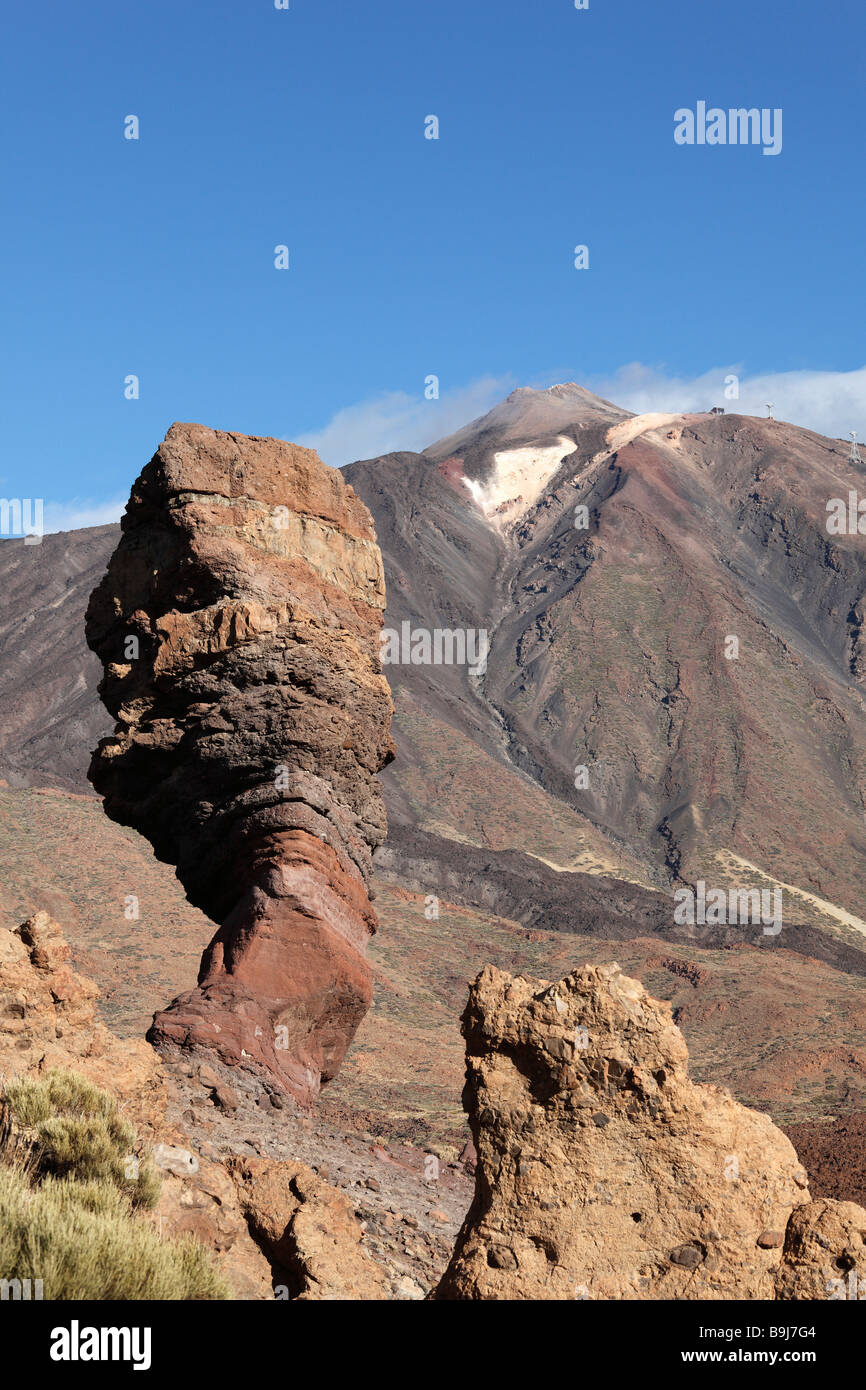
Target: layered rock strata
x=238, y=629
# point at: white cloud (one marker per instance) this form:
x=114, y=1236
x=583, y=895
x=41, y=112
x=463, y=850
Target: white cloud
x=79, y=512
x=832, y=403
x=397, y=421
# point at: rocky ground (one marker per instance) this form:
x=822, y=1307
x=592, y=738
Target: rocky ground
x=410, y=1201
x=582, y=1104
x=289, y=1204
x=834, y=1154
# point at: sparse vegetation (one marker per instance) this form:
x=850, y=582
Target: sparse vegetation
x=71, y=1196
x=78, y=1132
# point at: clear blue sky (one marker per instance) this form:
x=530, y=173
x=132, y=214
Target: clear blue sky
x=408, y=256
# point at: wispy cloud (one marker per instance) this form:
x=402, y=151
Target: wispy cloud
x=397, y=420
x=832, y=403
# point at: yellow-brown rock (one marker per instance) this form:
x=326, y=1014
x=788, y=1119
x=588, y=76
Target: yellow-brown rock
x=604, y=1172
x=48, y=1019
x=308, y=1230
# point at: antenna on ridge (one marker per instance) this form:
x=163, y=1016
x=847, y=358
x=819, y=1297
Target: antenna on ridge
x=854, y=456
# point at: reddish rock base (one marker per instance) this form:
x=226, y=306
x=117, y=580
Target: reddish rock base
x=284, y=983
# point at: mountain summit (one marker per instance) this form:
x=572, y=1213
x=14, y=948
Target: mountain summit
x=676, y=655
x=530, y=414
x=508, y=456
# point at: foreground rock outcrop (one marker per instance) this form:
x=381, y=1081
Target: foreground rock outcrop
x=238, y=630
x=308, y=1231
x=604, y=1172
x=274, y=1227
x=825, y=1253
x=48, y=1019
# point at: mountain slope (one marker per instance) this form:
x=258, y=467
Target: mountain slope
x=50, y=714
x=609, y=641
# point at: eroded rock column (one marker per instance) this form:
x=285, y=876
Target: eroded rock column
x=238, y=628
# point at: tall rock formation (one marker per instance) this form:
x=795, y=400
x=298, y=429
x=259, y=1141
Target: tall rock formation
x=604, y=1172
x=238, y=629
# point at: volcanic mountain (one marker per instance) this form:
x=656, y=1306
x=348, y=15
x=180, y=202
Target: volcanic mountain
x=675, y=663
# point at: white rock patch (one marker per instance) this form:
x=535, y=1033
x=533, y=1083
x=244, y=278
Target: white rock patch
x=620, y=435
x=517, y=481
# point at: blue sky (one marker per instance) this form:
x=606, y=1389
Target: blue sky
x=411, y=257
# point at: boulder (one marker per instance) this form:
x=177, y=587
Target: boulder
x=825, y=1253
x=307, y=1230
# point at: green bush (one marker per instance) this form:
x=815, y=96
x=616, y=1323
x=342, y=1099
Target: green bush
x=84, y=1242
x=78, y=1132
x=70, y=1197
